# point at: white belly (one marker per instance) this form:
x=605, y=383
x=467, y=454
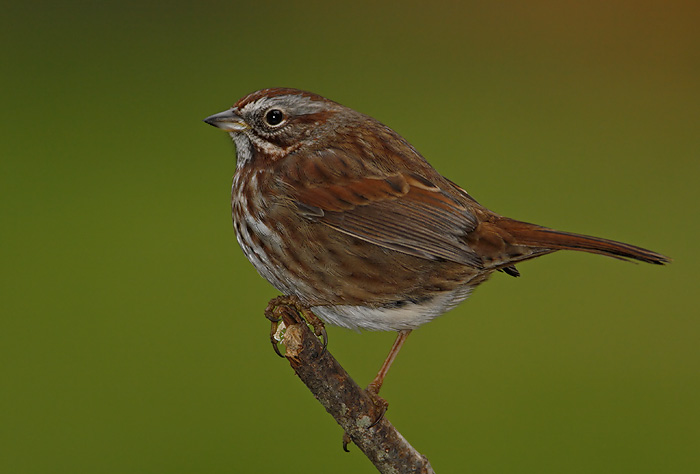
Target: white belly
x=408, y=316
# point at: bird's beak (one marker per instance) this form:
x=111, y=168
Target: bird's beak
x=227, y=121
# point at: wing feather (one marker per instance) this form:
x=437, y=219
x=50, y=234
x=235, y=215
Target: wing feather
x=404, y=212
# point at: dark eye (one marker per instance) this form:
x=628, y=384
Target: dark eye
x=274, y=117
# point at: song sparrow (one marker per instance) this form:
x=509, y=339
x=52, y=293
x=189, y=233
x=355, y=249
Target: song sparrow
x=340, y=211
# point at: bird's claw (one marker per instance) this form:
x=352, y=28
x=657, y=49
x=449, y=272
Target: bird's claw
x=381, y=404
x=272, y=312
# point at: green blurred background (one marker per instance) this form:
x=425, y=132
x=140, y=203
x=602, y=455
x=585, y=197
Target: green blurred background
x=132, y=334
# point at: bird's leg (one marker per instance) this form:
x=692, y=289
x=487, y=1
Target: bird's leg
x=376, y=384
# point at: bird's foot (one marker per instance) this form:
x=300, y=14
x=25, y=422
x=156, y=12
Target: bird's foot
x=273, y=312
x=381, y=406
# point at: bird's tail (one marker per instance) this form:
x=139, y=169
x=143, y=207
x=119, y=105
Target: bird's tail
x=534, y=236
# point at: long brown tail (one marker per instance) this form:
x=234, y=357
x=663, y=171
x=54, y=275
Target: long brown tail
x=532, y=235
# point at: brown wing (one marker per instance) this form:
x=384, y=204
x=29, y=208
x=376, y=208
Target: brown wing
x=404, y=212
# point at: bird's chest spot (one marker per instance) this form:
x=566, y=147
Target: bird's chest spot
x=260, y=242
x=250, y=212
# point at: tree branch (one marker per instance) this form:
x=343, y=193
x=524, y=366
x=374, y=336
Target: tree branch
x=353, y=409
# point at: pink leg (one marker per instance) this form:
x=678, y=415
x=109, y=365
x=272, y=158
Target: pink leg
x=379, y=379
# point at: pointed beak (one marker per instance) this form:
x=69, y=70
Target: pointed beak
x=227, y=121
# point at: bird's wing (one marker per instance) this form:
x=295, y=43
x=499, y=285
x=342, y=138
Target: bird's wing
x=403, y=211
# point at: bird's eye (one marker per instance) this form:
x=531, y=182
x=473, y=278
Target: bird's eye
x=274, y=117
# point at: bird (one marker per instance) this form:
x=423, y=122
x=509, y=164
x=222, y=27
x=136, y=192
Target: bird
x=341, y=213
